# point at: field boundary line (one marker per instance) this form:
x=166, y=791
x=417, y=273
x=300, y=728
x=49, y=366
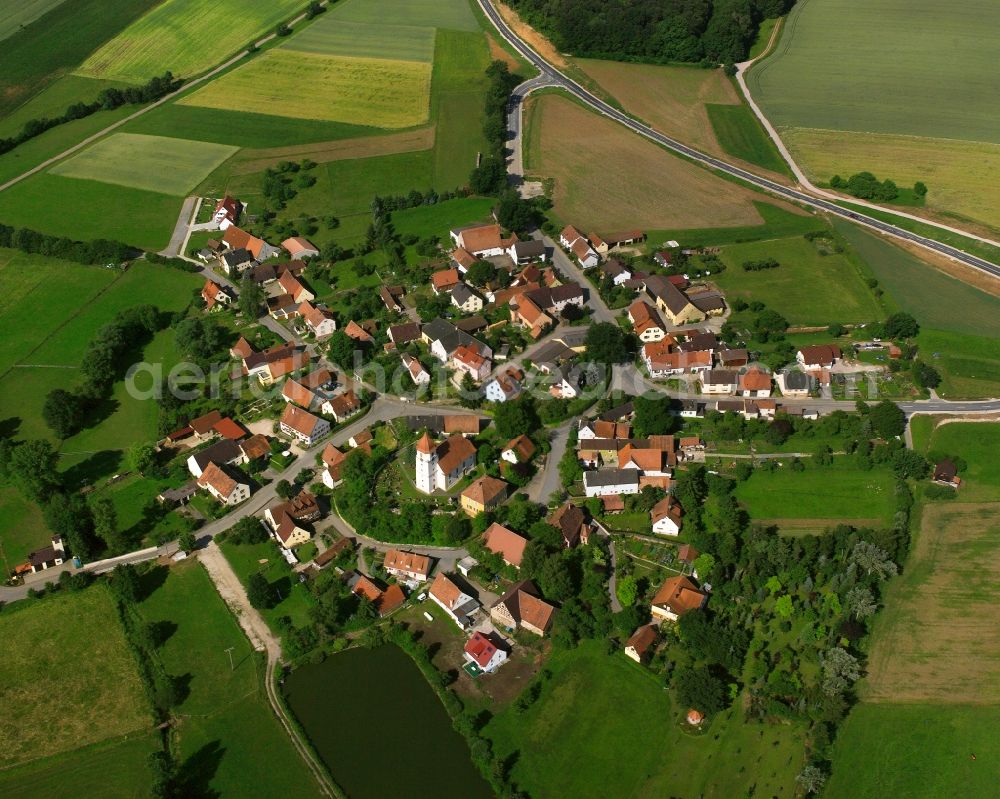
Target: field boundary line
x=115, y=125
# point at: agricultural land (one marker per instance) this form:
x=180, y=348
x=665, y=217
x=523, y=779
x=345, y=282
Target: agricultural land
x=605, y=176
x=934, y=651
x=700, y=107
x=891, y=94
x=49, y=665
x=185, y=36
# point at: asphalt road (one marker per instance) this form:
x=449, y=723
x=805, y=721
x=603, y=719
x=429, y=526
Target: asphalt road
x=555, y=77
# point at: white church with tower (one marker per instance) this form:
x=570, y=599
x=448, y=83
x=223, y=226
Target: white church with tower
x=440, y=466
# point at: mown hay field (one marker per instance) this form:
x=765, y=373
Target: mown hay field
x=364, y=91
x=808, y=288
x=607, y=178
x=150, y=163
x=963, y=177
x=184, y=36
x=332, y=35
x=67, y=677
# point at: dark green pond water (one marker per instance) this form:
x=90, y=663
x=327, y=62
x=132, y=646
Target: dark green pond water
x=380, y=729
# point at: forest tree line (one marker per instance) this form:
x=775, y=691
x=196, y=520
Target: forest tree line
x=658, y=31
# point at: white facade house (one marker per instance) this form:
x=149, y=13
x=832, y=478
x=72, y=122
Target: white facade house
x=605, y=482
x=439, y=467
x=718, y=381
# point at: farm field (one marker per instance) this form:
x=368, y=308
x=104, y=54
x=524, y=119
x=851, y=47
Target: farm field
x=89, y=209
x=151, y=163
x=809, y=288
x=602, y=721
x=227, y=737
x=827, y=494
x=920, y=751
x=701, y=107
x=16, y=16
x=936, y=639
x=960, y=325
x=331, y=33
x=963, y=177
x=85, y=666
x=875, y=74
x=57, y=42
x=184, y=36
x=606, y=178
x=935, y=654
x=450, y=14
x=110, y=770
x=54, y=99
x=377, y=92
x=890, y=71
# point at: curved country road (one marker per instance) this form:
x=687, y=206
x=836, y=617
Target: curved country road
x=810, y=199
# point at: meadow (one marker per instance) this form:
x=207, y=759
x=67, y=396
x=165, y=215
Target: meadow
x=448, y=14
x=825, y=495
x=920, y=751
x=809, y=288
x=606, y=178
x=331, y=34
x=88, y=209
x=246, y=560
x=15, y=16
x=576, y=741
x=57, y=42
x=184, y=36
x=978, y=444
x=740, y=134
x=51, y=665
x=890, y=93
x=962, y=177
x=779, y=221
x=227, y=738
x=54, y=99
x=150, y=163
x=24, y=531
x=376, y=92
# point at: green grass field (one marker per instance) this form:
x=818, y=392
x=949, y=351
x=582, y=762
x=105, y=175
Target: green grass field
x=376, y=92
x=88, y=209
x=15, y=16
x=838, y=493
x=778, y=223
x=115, y=769
x=740, y=134
x=449, y=14
x=889, y=94
x=808, y=288
x=978, y=444
x=890, y=68
x=919, y=751
x=49, y=346
x=245, y=560
x=58, y=42
x=186, y=37
x=228, y=740
x=605, y=727
x=24, y=529
x=150, y=163
x=935, y=299
x=66, y=685
x=330, y=34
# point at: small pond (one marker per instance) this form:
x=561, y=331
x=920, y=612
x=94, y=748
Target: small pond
x=380, y=728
